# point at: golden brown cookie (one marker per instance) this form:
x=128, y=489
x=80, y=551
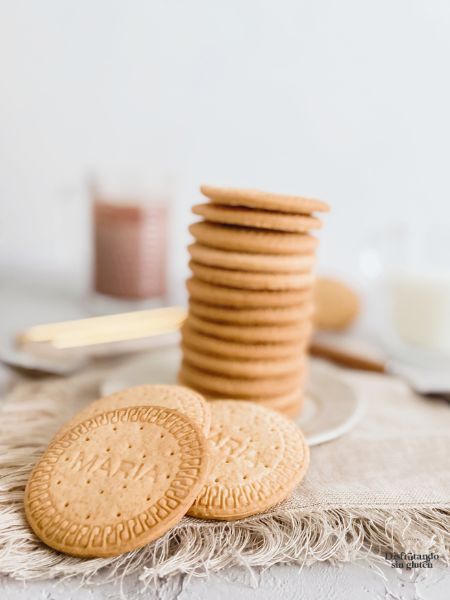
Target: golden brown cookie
x=244, y=280
x=243, y=239
x=223, y=296
x=258, y=457
x=179, y=398
x=252, y=316
x=279, y=402
x=252, y=333
x=248, y=369
x=289, y=403
x=263, y=200
x=337, y=305
x=245, y=261
x=205, y=343
x=293, y=410
x=282, y=401
x=237, y=387
x=117, y=481
x=259, y=219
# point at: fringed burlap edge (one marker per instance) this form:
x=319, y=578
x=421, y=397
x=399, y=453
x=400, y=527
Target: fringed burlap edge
x=30, y=416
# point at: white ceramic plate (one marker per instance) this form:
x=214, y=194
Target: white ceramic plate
x=332, y=406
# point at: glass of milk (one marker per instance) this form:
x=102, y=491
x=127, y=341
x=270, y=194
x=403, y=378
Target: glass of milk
x=414, y=267
x=420, y=307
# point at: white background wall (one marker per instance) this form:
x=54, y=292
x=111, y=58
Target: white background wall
x=346, y=100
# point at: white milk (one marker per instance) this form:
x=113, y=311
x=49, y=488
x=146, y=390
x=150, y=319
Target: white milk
x=421, y=308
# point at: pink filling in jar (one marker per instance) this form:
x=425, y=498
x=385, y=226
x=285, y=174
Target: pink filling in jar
x=130, y=248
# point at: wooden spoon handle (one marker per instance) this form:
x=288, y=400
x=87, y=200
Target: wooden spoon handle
x=346, y=358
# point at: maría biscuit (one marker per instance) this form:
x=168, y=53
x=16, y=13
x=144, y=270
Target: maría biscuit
x=337, y=305
x=246, y=261
x=244, y=280
x=293, y=410
x=244, y=239
x=259, y=219
x=245, y=350
x=117, y=481
x=263, y=200
x=236, y=387
x=252, y=316
x=278, y=402
x=258, y=457
x=224, y=296
x=284, y=403
x=247, y=369
x=290, y=332
x=186, y=401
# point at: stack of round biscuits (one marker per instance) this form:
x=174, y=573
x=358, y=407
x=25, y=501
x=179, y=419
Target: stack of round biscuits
x=250, y=297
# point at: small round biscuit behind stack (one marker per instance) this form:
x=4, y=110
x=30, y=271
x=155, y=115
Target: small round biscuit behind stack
x=251, y=297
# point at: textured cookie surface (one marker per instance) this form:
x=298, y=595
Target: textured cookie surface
x=224, y=296
x=244, y=280
x=293, y=410
x=233, y=367
x=179, y=398
x=245, y=261
x=283, y=402
x=337, y=305
x=278, y=402
x=117, y=481
x=243, y=239
x=260, y=219
x=227, y=387
x=251, y=333
x=258, y=457
x=246, y=350
x=251, y=316
x=263, y=200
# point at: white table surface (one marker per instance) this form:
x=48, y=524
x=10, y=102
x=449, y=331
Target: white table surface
x=23, y=305
x=281, y=582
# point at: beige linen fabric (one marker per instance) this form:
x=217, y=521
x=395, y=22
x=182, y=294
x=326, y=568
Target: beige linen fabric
x=384, y=486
